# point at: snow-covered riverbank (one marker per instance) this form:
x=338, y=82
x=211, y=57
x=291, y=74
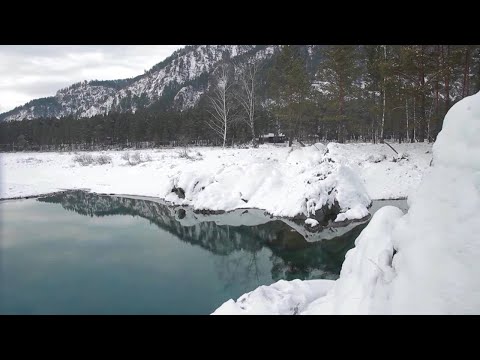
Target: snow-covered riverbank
x=424, y=262
x=278, y=179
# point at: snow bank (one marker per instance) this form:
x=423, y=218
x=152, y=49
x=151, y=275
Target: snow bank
x=366, y=270
x=284, y=181
x=280, y=298
x=425, y=262
x=438, y=245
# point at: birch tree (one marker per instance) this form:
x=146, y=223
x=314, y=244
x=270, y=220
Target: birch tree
x=221, y=103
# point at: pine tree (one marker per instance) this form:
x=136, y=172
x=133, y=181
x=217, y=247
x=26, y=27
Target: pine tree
x=290, y=88
x=338, y=71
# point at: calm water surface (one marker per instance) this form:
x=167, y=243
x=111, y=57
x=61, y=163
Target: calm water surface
x=82, y=253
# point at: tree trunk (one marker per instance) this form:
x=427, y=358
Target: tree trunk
x=414, y=122
x=406, y=113
x=341, y=132
x=341, y=100
x=437, y=87
x=254, y=138
x=373, y=131
x=384, y=94
x=224, y=117
x=421, y=135
x=341, y=111
x=446, y=64
x=225, y=133
x=477, y=83
x=466, y=73
x=252, y=109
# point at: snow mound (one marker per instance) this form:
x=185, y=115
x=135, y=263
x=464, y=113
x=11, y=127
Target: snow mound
x=280, y=298
x=357, y=212
x=366, y=270
x=301, y=184
x=311, y=222
x=437, y=263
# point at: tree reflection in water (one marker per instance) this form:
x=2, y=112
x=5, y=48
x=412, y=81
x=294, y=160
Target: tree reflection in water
x=247, y=244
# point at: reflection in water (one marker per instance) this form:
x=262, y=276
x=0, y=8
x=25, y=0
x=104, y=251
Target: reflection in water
x=57, y=262
x=239, y=246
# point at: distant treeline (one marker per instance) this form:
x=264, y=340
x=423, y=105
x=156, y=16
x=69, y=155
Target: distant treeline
x=359, y=93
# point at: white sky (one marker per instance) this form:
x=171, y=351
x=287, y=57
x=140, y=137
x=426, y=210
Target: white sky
x=28, y=72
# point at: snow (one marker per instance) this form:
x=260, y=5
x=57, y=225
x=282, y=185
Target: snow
x=437, y=241
x=285, y=297
x=86, y=100
x=423, y=262
x=357, y=212
x=387, y=179
x=311, y=222
x=365, y=270
x=283, y=181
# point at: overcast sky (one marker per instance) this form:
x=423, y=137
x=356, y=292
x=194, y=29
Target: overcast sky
x=30, y=72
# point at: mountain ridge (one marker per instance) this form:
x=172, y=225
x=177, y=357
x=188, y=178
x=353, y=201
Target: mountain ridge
x=174, y=75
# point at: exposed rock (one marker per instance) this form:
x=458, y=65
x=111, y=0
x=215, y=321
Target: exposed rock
x=181, y=213
x=208, y=212
x=179, y=191
x=327, y=213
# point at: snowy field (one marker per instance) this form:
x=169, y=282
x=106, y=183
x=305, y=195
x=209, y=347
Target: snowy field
x=283, y=181
x=423, y=262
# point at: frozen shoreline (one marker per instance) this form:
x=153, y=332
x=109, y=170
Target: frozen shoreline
x=280, y=180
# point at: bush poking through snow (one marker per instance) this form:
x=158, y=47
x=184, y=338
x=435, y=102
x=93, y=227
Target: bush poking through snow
x=184, y=154
x=103, y=159
x=84, y=159
x=136, y=158
x=30, y=160
x=376, y=158
x=88, y=159
x=400, y=157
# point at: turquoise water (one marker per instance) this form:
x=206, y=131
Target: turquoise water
x=82, y=253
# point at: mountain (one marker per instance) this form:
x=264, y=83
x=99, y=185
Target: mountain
x=180, y=80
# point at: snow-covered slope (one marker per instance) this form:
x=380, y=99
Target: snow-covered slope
x=175, y=74
x=425, y=262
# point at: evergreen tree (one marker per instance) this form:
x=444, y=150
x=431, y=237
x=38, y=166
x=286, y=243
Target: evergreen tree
x=338, y=71
x=290, y=89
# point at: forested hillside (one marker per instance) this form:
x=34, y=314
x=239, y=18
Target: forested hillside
x=224, y=94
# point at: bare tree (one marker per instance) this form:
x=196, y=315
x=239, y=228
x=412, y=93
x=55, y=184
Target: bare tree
x=384, y=90
x=247, y=79
x=221, y=103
